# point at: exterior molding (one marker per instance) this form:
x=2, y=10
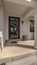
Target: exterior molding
x=27, y=11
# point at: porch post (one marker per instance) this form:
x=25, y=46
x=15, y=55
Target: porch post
x=1, y=27
x=35, y=23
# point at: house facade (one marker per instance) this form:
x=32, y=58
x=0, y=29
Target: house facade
x=15, y=19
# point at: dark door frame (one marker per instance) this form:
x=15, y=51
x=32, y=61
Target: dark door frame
x=18, y=25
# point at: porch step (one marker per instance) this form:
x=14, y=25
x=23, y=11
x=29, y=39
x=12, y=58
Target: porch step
x=25, y=59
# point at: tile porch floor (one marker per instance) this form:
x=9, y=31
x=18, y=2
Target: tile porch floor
x=22, y=49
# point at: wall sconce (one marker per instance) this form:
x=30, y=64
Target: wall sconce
x=22, y=21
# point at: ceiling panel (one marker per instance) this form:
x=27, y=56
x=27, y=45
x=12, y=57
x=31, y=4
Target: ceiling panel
x=15, y=9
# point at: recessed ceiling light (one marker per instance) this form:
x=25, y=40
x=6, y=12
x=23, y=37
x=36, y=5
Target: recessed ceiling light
x=28, y=0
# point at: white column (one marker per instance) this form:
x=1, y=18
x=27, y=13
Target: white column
x=1, y=26
x=35, y=33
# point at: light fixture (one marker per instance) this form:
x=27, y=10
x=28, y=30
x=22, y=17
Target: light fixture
x=22, y=21
x=28, y=0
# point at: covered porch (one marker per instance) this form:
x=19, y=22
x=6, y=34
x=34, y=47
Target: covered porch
x=24, y=52
x=18, y=9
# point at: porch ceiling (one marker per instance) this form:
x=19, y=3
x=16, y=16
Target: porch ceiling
x=15, y=9
x=31, y=3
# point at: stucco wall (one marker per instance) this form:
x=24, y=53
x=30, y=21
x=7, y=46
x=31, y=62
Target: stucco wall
x=24, y=28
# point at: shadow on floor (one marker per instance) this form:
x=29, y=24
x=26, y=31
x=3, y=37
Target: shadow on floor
x=20, y=45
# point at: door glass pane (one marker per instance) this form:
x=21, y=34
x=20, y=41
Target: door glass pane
x=14, y=28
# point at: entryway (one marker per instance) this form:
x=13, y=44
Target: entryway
x=14, y=27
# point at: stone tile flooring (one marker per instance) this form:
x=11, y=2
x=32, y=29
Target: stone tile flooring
x=16, y=51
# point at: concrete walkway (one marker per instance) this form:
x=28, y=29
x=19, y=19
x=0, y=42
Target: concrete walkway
x=21, y=50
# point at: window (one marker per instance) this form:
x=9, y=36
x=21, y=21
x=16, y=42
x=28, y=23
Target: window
x=31, y=25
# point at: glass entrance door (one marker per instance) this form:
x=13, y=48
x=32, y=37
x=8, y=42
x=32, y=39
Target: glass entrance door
x=14, y=27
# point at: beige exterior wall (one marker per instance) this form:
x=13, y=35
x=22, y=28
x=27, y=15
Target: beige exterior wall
x=24, y=28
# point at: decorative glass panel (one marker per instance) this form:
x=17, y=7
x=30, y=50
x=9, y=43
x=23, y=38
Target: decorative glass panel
x=14, y=27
